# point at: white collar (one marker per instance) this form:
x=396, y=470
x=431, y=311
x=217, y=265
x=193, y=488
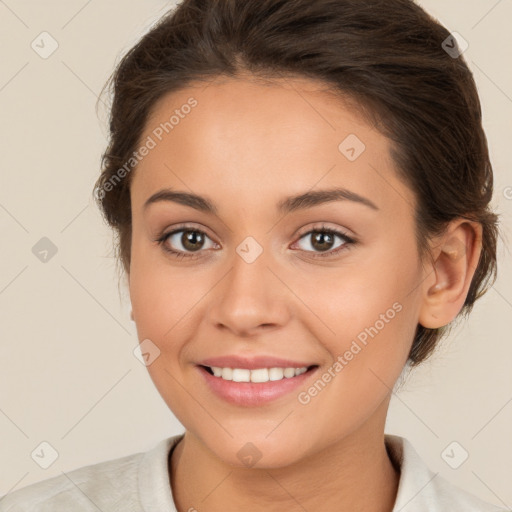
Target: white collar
x=419, y=488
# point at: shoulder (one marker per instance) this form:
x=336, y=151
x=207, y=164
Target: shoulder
x=107, y=486
x=422, y=490
x=82, y=489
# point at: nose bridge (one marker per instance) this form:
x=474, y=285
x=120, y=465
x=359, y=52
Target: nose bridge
x=250, y=295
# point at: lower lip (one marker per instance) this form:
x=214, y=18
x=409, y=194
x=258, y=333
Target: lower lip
x=253, y=394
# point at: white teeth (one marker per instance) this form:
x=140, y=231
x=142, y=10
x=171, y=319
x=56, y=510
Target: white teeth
x=256, y=375
x=275, y=373
x=227, y=373
x=260, y=375
x=289, y=372
x=240, y=375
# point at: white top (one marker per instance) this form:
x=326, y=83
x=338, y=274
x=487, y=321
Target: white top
x=140, y=483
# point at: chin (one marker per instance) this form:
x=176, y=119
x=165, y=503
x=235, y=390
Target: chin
x=257, y=449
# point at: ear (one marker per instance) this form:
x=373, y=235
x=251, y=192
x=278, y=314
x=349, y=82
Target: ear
x=448, y=276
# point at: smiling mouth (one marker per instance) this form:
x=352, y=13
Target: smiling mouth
x=257, y=375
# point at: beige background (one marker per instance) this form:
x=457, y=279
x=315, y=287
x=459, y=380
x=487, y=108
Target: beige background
x=68, y=374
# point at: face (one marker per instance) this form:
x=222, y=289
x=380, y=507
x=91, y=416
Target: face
x=315, y=300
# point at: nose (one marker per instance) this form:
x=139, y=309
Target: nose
x=250, y=298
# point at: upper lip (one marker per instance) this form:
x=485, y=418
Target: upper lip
x=252, y=363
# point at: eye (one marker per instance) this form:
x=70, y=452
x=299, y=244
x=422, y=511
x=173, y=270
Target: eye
x=187, y=240
x=322, y=241
x=184, y=241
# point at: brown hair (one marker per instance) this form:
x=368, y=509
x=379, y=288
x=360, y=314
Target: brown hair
x=387, y=55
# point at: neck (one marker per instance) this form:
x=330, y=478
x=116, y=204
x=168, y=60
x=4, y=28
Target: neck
x=355, y=473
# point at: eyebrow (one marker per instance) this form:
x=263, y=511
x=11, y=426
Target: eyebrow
x=287, y=205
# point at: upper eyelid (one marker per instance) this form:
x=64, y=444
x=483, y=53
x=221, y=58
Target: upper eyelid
x=301, y=232
x=179, y=228
x=324, y=227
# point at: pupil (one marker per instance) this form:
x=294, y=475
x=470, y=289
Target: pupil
x=320, y=237
x=190, y=238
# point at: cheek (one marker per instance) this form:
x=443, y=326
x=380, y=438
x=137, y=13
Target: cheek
x=160, y=302
x=372, y=318
x=168, y=305
x=372, y=304
x=160, y=293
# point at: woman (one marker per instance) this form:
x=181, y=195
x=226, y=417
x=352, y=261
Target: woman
x=301, y=196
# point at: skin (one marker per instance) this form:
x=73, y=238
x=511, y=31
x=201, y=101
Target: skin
x=246, y=146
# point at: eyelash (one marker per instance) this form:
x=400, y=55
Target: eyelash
x=162, y=238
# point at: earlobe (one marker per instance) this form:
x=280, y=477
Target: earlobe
x=446, y=286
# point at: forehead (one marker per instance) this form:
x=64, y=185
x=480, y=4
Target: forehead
x=262, y=140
